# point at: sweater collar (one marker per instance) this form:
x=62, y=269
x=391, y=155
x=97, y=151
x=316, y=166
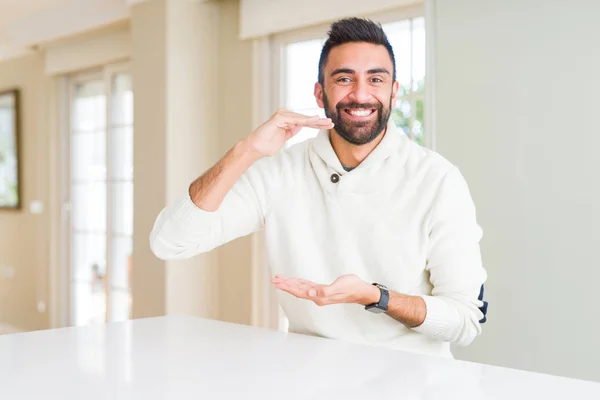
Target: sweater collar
x=389, y=145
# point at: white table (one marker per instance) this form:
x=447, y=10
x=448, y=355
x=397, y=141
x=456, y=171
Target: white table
x=191, y=358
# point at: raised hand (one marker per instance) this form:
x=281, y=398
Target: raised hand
x=270, y=137
x=345, y=289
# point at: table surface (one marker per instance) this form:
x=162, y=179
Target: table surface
x=193, y=358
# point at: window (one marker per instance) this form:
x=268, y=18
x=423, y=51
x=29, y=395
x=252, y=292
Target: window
x=295, y=65
x=100, y=176
x=299, y=66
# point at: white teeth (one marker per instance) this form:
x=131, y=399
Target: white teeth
x=360, y=113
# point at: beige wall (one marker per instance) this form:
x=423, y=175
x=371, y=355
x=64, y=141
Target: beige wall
x=148, y=30
x=192, y=81
x=235, y=116
x=192, y=140
x=24, y=236
x=189, y=74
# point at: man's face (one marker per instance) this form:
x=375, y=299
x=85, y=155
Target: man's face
x=358, y=91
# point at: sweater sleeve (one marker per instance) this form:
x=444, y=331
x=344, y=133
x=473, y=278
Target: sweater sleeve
x=183, y=230
x=455, y=266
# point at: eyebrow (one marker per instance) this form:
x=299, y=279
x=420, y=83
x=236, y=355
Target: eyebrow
x=351, y=71
x=378, y=71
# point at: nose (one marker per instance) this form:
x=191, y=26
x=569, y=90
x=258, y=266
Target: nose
x=360, y=92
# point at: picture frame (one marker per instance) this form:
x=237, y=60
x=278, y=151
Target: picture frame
x=10, y=157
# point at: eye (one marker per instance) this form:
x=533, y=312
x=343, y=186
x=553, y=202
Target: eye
x=344, y=79
x=377, y=80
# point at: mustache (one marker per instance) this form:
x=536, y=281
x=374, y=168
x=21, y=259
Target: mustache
x=358, y=105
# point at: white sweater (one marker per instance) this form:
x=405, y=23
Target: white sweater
x=403, y=218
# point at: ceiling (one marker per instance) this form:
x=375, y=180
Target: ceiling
x=28, y=23
x=12, y=10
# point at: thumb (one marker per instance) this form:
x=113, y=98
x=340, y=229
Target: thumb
x=321, y=291
x=293, y=131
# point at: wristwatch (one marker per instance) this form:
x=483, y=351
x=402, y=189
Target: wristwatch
x=382, y=305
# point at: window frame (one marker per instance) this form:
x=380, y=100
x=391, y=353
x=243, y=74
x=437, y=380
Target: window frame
x=66, y=86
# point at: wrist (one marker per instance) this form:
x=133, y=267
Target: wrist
x=247, y=151
x=371, y=295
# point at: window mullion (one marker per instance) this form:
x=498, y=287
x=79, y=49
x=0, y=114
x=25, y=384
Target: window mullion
x=109, y=197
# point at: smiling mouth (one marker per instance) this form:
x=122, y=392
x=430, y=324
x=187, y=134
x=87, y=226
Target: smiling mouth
x=359, y=112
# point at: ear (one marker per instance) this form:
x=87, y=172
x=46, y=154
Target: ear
x=395, y=88
x=319, y=95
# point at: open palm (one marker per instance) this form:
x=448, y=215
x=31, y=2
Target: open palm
x=345, y=289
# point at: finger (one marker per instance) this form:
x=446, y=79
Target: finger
x=281, y=278
x=300, y=286
x=294, y=287
x=320, y=122
x=292, y=130
x=288, y=113
x=311, y=283
x=294, y=290
x=291, y=120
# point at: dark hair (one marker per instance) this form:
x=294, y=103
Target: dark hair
x=354, y=30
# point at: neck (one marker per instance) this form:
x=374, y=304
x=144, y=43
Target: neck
x=350, y=155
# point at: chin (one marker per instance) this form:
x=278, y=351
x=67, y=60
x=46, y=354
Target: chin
x=359, y=139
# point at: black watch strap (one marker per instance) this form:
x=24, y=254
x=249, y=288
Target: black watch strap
x=382, y=305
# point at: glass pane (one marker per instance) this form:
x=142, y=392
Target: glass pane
x=418, y=55
x=88, y=258
x=7, y=102
x=121, y=262
x=9, y=191
x=89, y=303
x=122, y=208
x=88, y=206
x=121, y=153
x=302, y=66
x=89, y=107
x=120, y=305
x=88, y=156
x=401, y=115
x=418, y=126
x=122, y=100
x=399, y=36
x=88, y=203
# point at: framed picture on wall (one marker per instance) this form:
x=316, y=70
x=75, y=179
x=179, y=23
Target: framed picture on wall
x=10, y=185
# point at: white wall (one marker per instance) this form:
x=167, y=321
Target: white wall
x=517, y=110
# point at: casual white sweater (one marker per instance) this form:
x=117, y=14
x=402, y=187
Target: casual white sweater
x=403, y=218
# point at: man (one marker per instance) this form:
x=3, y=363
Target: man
x=370, y=237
